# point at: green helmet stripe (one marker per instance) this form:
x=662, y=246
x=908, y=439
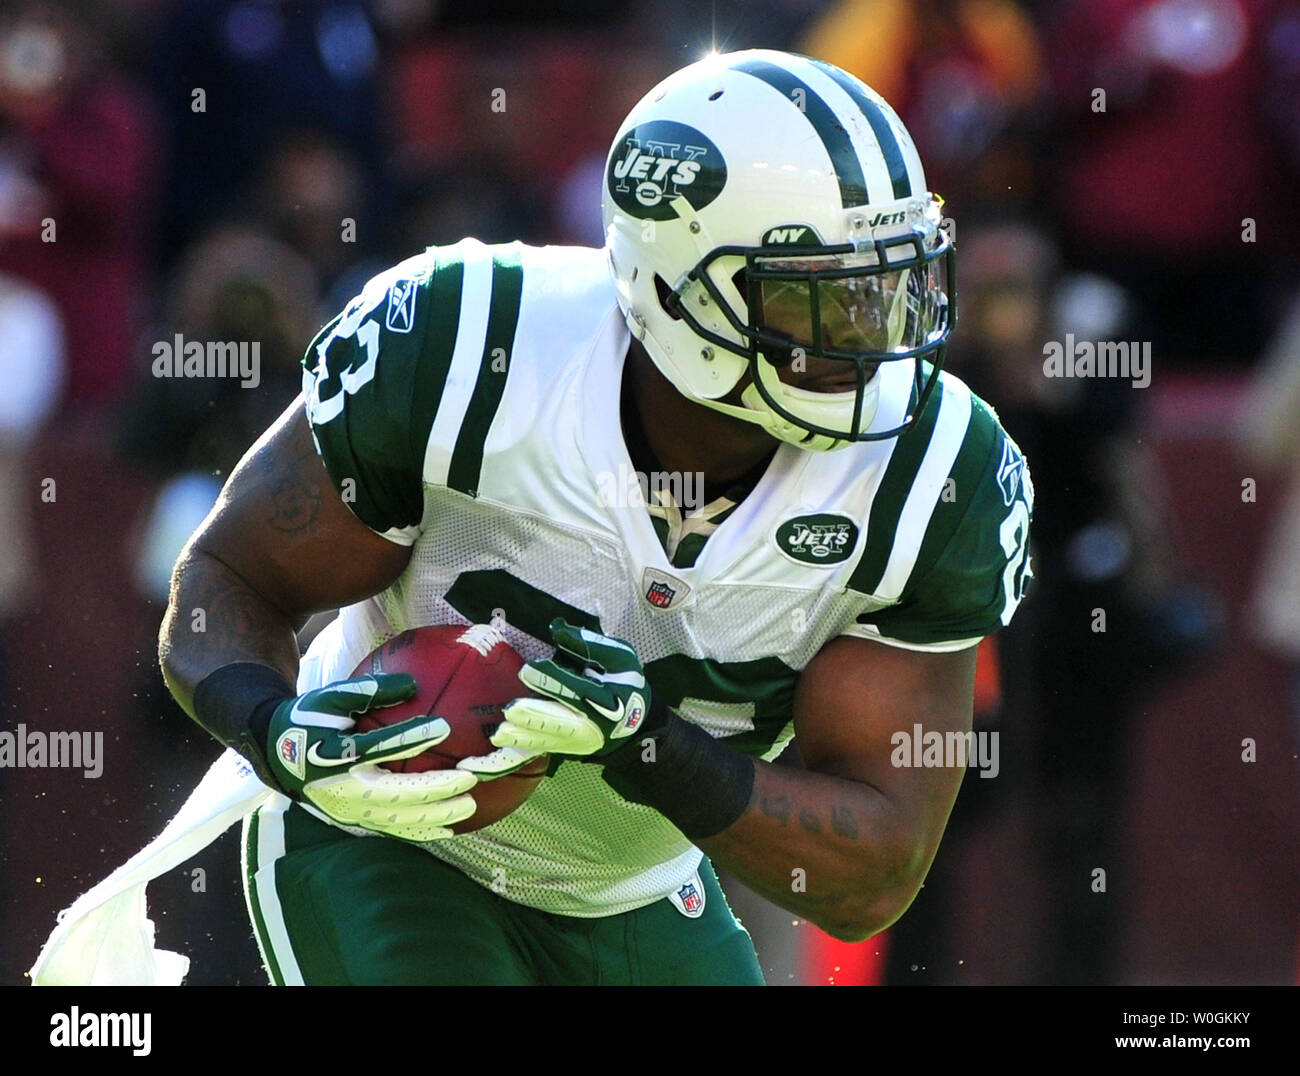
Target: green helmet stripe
x=829, y=128
x=875, y=115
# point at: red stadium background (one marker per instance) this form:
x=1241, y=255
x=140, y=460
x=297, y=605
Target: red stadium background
x=1115, y=170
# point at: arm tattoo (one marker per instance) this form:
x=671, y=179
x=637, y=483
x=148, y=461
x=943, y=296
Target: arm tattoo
x=843, y=822
x=296, y=504
x=240, y=625
x=777, y=807
x=291, y=487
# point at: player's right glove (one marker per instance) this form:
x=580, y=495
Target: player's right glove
x=594, y=697
x=315, y=758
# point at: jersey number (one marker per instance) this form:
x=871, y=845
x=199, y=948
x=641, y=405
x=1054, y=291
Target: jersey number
x=1014, y=535
x=350, y=323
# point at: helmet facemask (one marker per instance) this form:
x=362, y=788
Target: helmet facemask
x=859, y=304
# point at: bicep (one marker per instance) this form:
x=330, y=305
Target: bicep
x=281, y=526
x=853, y=700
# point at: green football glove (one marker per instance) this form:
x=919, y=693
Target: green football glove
x=316, y=759
x=596, y=697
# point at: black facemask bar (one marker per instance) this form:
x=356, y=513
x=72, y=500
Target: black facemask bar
x=778, y=348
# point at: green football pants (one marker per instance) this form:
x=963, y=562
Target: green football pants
x=332, y=909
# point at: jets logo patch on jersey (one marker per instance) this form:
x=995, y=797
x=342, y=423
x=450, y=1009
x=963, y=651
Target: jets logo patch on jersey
x=821, y=539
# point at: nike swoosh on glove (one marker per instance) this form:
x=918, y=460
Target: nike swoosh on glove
x=315, y=758
x=595, y=698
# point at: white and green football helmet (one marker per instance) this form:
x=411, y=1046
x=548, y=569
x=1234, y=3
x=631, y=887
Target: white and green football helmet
x=761, y=189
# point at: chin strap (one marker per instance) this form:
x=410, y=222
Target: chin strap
x=755, y=410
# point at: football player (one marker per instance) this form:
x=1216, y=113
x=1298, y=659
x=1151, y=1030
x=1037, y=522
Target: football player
x=770, y=312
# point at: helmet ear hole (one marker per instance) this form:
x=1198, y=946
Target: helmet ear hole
x=668, y=299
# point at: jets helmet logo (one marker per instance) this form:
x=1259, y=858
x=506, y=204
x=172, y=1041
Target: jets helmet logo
x=791, y=235
x=656, y=163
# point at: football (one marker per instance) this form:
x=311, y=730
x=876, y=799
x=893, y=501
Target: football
x=464, y=675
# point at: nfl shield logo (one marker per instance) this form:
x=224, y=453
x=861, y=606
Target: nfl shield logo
x=635, y=713
x=689, y=899
x=291, y=747
x=660, y=594
x=664, y=591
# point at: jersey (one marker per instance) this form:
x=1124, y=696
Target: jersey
x=466, y=404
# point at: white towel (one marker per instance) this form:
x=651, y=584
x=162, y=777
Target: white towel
x=106, y=937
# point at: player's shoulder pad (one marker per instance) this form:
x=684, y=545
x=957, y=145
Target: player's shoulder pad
x=375, y=376
x=967, y=552
x=988, y=476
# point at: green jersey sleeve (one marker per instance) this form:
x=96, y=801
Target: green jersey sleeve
x=373, y=378
x=973, y=565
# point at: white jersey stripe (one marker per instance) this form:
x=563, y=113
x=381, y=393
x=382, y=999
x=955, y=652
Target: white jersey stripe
x=466, y=359
x=949, y=432
x=870, y=631
x=261, y=887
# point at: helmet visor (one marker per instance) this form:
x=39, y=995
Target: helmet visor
x=847, y=306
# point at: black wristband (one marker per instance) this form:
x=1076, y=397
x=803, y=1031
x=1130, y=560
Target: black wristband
x=699, y=784
x=235, y=703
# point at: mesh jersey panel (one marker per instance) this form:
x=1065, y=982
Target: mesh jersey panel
x=576, y=847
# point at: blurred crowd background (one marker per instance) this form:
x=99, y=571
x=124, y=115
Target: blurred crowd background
x=1115, y=169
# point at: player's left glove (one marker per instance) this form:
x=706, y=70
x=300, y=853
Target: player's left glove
x=316, y=758
x=595, y=698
